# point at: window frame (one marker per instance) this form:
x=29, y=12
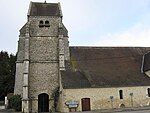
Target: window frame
x=47, y=23
x=121, y=94
x=148, y=92
x=41, y=23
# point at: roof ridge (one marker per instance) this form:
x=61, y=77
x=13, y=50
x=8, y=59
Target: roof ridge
x=105, y=47
x=44, y=9
x=45, y=3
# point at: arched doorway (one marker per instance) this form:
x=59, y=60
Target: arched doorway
x=86, y=104
x=43, y=102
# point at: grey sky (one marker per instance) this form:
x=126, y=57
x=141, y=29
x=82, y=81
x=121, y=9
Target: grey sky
x=89, y=22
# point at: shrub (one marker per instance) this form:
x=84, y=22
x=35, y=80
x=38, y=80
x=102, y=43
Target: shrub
x=15, y=102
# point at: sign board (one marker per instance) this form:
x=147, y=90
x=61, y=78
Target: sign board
x=72, y=104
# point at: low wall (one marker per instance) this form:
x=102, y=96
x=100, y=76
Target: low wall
x=2, y=107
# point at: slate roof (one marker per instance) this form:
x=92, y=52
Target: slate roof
x=146, y=63
x=73, y=78
x=44, y=9
x=105, y=67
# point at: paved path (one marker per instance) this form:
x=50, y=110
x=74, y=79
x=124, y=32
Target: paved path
x=143, y=111
x=125, y=110
x=8, y=112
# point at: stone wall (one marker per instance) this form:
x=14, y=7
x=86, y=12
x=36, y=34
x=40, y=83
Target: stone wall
x=19, y=79
x=21, y=49
x=43, y=49
x=36, y=31
x=43, y=78
x=66, y=49
x=44, y=60
x=100, y=98
x=19, y=66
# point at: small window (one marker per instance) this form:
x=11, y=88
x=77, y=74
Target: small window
x=41, y=24
x=148, y=91
x=47, y=24
x=121, y=94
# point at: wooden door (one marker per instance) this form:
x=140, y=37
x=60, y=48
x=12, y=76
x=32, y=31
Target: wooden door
x=86, y=104
x=43, y=103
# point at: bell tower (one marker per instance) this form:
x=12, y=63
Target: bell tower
x=42, y=51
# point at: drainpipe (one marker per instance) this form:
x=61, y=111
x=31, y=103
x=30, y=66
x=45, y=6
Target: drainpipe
x=131, y=94
x=111, y=100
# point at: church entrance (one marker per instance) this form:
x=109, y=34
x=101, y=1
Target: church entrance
x=86, y=104
x=43, y=103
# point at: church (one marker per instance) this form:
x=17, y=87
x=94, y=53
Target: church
x=52, y=76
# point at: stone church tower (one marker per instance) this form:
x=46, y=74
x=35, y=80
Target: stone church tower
x=42, y=51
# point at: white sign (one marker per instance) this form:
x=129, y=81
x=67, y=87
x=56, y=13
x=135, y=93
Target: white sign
x=72, y=104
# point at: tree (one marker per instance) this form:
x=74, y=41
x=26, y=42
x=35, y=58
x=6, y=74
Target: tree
x=15, y=102
x=7, y=73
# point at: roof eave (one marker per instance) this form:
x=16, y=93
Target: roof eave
x=29, y=10
x=60, y=9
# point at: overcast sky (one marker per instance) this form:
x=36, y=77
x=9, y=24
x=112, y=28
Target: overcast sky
x=89, y=22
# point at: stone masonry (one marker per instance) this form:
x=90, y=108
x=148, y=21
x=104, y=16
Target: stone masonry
x=100, y=98
x=40, y=56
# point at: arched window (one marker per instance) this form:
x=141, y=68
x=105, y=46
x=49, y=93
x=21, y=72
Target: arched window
x=121, y=94
x=148, y=91
x=41, y=24
x=47, y=24
x=122, y=106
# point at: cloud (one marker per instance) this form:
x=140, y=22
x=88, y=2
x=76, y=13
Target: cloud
x=98, y=22
x=138, y=35
x=106, y=22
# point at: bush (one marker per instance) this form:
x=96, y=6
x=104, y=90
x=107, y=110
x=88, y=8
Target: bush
x=15, y=102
